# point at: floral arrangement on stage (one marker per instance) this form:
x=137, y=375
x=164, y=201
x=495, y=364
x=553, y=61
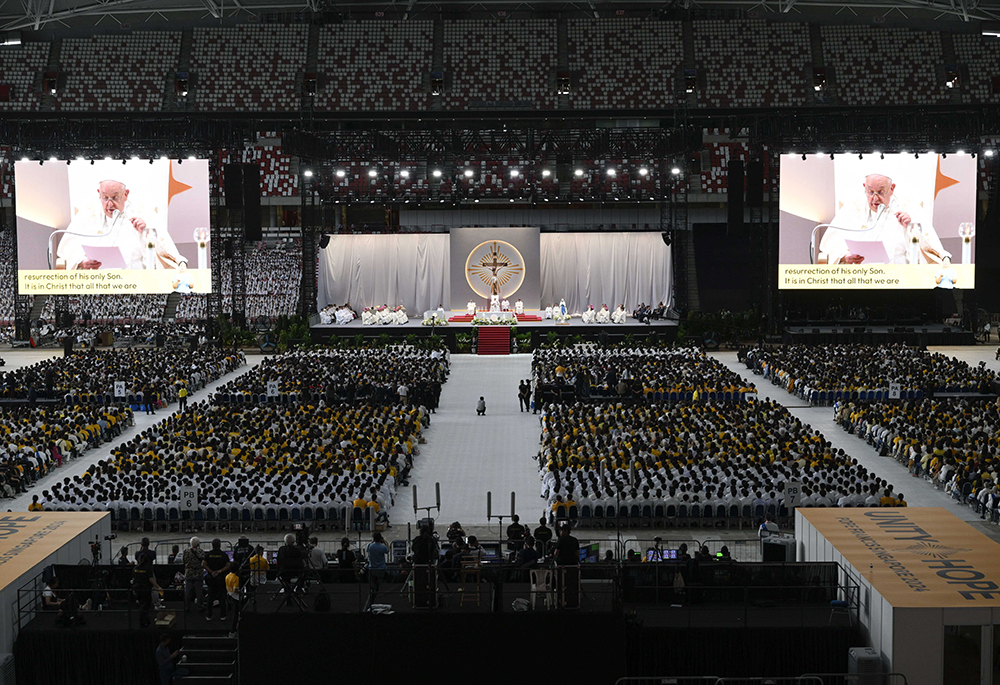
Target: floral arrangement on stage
x=560, y=318
x=434, y=320
x=483, y=319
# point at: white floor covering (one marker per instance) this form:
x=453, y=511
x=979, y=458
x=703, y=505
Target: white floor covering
x=470, y=455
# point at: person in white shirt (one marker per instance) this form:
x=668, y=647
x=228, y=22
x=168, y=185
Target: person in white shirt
x=768, y=528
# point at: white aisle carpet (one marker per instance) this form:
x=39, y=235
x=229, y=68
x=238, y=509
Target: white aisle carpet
x=470, y=455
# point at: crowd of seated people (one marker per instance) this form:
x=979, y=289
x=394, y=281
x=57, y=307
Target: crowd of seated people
x=83, y=376
x=952, y=444
x=260, y=457
x=639, y=373
x=697, y=455
x=36, y=440
x=110, y=308
x=381, y=376
x=809, y=370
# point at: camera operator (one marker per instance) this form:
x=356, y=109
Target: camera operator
x=241, y=556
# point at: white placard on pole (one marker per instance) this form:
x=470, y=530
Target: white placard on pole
x=793, y=494
x=189, y=498
x=895, y=390
x=119, y=388
x=272, y=388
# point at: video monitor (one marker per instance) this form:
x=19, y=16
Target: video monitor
x=877, y=221
x=112, y=227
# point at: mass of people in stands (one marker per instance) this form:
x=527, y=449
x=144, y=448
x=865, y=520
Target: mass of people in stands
x=638, y=373
x=952, y=444
x=104, y=309
x=808, y=370
x=344, y=448
x=399, y=374
x=693, y=460
x=273, y=274
x=90, y=376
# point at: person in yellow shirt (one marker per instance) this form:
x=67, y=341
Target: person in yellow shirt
x=35, y=504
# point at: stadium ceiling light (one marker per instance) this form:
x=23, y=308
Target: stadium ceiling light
x=53, y=159
x=643, y=171
x=514, y=173
x=307, y=173
x=469, y=173
x=578, y=173
x=959, y=152
x=372, y=173
x=436, y=174
x=675, y=171
x=546, y=173
x=988, y=152
x=404, y=173
x=25, y=159
x=341, y=173
x=612, y=173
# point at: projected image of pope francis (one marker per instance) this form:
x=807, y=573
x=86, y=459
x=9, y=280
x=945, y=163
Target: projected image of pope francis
x=116, y=223
x=881, y=218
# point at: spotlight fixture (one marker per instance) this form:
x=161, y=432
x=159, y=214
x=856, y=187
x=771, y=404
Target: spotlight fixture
x=469, y=173
x=307, y=173
x=643, y=171
x=404, y=173
x=676, y=171
x=514, y=173
x=578, y=173
x=341, y=173
x=546, y=173
x=612, y=173
x=436, y=174
x=372, y=173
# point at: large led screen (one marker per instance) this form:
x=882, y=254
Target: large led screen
x=108, y=227
x=871, y=221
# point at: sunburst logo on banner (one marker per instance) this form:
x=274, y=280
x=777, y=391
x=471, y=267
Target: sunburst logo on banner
x=934, y=550
x=494, y=267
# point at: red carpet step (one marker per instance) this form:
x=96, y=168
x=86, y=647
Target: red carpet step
x=494, y=340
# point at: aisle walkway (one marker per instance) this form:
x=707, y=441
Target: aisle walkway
x=918, y=493
x=142, y=422
x=470, y=455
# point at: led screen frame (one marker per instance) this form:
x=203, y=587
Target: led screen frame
x=113, y=227
x=820, y=195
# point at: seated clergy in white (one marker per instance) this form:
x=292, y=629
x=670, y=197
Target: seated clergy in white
x=619, y=314
x=519, y=307
x=604, y=316
x=589, y=316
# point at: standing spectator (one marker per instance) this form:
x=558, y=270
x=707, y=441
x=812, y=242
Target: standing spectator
x=144, y=584
x=194, y=574
x=216, y=564
x=378, y=555
x=542, y=536
x=345, y=561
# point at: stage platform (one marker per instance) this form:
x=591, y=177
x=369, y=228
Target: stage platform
x=920, y=335
x=661, y=329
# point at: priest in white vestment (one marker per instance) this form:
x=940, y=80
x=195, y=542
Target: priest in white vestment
x=603, y=316
x=589, y=316
x=881, y=219
x=619, y=314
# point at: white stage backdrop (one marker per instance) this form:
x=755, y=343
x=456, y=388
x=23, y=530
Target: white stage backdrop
x=370, y=270
x=413, y=270
x=605, y=268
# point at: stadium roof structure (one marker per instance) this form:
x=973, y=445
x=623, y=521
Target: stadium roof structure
x=36, y=15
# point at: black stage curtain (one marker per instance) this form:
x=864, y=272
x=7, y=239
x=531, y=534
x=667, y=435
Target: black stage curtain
x=482, y=648
x=78, y=656
x=738, y=652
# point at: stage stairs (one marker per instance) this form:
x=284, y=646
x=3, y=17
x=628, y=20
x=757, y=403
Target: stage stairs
x=170, y=309
x=211, y=659
x=493, y=340
x=466, y=318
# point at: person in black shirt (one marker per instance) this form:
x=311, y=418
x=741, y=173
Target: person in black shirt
x=144, y=584
x=515, y=534
x=345, y=561
x=425, y=549
x=291, y=563
x=542, y=536
x=217, y=565
x=567, y=549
